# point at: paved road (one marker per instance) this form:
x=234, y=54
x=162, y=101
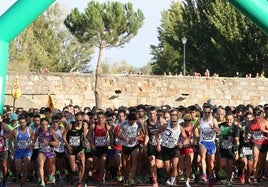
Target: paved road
x=181, y=184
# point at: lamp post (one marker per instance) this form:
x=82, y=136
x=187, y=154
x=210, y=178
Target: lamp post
x=184, y=40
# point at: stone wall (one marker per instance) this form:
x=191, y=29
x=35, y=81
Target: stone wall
x=74, y=88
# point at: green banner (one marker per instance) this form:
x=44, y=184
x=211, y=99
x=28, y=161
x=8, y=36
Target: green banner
x=3, y=69
x=255, y=10
x=12, y=23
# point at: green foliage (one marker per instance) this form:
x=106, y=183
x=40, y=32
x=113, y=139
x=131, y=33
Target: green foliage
x=147, y=69
x=219, y=38
x=165, y=54
x=117, y=68
x=47, y=44
x=241, y=43
x=106, y=25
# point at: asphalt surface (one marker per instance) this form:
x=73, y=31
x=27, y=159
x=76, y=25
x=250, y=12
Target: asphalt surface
x=180, y=184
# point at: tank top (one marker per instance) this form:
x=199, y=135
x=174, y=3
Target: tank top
x=131, y=132
x=170, y=137
x=152, y=130
x=60, y=148
x=117, y=144
x=23, y=140
x=45, y=148
x=227, y=136
x=75, y=138
x=189, y=132
x=257, y=136
x=101, y=136
x=206, y=133
x=3, y=142
x=33, y=128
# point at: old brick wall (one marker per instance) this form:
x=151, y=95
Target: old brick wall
x=136, y=89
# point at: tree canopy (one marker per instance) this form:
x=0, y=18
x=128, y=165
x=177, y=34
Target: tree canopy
x=46, y=43
x=219, y=38
x=107, y=25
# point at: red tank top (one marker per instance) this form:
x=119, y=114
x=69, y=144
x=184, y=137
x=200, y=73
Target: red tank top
x=257, y=136
x=117, y=146
x=100, y=136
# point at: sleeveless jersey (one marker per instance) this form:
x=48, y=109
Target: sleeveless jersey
x=3, y=142
x=257, y=136
x=101, y=136
x=206, y=133
x=227, y=136
x=189, y=132
x=170, y=137
x=152, y=130
x=45, y=148
x=33, y=128
x=117, y=144
x=60, y=148
x=75, y=138
x=23, y=141
x=131, y=132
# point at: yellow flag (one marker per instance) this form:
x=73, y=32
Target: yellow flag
x=16, y=91
x=51, y=102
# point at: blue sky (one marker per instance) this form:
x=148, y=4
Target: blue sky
x=137, y=51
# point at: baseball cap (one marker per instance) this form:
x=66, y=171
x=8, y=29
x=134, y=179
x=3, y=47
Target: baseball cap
x=14, y=117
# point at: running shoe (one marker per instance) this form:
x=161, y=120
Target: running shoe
x=210, y=181
x=168, y=182
x=119, y=178
x=125, y=183
x=51, y=179
x=228, y=184
x=197, y=177
x=138, y=180
x=255, y=181
x=247, y=181
x=131, y=182
x=155, y=184
x=204, y=177
x=242, y=178
x=42, y=184
x=187, y=184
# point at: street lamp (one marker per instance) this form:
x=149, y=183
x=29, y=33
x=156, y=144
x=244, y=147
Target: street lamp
x=184, y=40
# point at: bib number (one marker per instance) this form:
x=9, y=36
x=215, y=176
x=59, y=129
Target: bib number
x=207, y=135
x=2, y=145
x=226, y=144
x=257, y=135
x=101, y=141
x=23, y=144
x=45, y=148
x=74, y=141
x=171, y=142
x=247, y=151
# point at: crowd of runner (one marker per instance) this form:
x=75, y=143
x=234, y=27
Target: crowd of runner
x=134, y=145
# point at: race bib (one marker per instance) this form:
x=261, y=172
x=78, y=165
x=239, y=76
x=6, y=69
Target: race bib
x=207, y=135
x=2, y=145
x=247, y=151
x=171, y=142
x=44, y=148
x=257, y=135
x=101, y=141
x=23, y=144
x=74, y=141
x=226, y=144
x=153, y=140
